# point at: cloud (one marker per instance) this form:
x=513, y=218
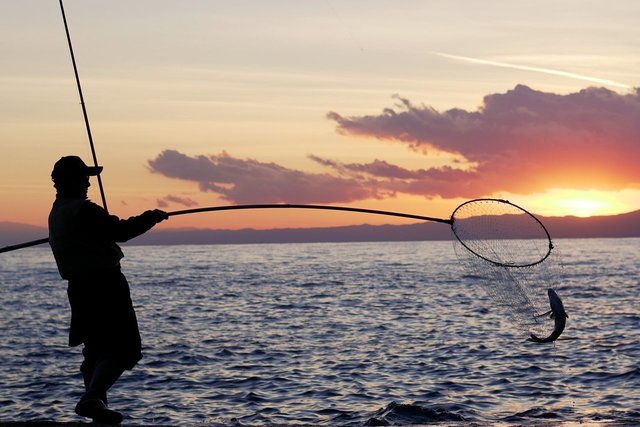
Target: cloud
x=522, y=141
x=445, y=182
x=169, y=198
x=250, y=181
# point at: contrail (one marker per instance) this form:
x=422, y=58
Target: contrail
x=536, y=69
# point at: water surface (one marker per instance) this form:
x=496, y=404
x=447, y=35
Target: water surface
x=340, y=334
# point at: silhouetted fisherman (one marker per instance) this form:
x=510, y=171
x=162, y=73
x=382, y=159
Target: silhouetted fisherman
x=83, y=238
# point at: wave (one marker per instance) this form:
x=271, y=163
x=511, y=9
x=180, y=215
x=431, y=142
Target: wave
x=412, y=414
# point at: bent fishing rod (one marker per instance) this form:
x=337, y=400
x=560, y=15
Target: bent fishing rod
x=261, y=206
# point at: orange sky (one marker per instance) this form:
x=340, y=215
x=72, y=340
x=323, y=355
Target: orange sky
x=257, y=83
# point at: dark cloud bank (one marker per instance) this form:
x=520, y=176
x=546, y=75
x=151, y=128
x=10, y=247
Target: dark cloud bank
x=522, y=141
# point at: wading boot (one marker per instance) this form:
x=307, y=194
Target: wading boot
x=98, y=411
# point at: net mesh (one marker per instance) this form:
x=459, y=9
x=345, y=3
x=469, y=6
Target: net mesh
x=501, y=232
x=507, y=252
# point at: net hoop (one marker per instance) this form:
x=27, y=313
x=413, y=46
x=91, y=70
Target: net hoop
x=532, y=229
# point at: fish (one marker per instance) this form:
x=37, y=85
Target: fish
x=558, y=314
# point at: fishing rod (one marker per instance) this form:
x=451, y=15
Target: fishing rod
x=84, y=109
x=259, y=206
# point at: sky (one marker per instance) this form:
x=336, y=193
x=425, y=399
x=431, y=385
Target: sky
x=409, y=106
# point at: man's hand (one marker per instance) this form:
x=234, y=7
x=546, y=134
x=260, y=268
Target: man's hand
x=156, y=215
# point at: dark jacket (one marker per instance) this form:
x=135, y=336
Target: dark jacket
x=83, y=238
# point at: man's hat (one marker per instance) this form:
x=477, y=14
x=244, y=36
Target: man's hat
x=73, y=167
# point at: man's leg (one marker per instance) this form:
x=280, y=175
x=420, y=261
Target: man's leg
x=88, y=364
x=87, y=368
x=105, y=373
x=98, y=381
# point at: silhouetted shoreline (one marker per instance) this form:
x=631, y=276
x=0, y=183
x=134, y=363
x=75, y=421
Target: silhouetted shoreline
x=611, y=226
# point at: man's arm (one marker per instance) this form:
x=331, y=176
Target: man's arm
x=98, y=222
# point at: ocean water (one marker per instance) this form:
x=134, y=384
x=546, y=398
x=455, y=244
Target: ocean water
x=335, y=334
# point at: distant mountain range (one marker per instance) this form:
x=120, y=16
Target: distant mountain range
x=623, y=225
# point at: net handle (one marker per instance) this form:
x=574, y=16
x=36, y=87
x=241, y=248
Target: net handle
x=321, y=207
x=500, y=264
x=260, y=206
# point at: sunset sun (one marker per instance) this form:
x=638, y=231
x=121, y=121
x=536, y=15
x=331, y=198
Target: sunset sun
x=584, y=207
x=582, y=203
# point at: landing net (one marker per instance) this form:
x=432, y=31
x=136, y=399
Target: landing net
x=509, y=253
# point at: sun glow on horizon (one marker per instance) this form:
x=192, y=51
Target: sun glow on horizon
x=582, y=203
x=583, y=207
